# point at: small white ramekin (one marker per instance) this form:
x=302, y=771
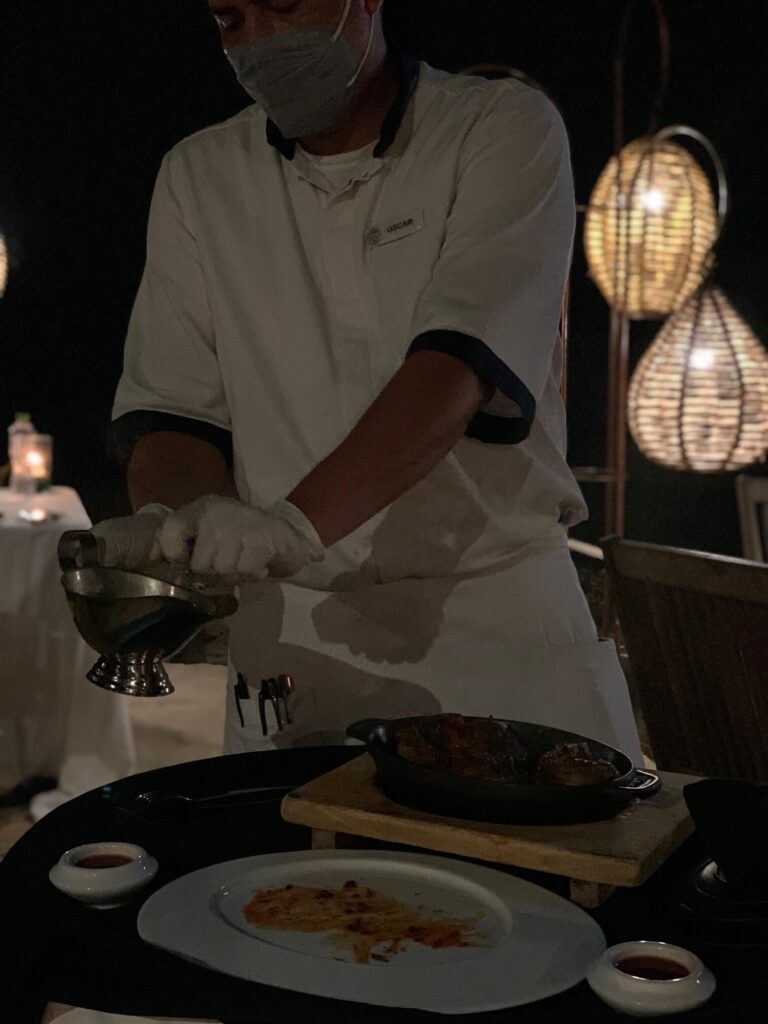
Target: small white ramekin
x=641, y=997
x=103, y=887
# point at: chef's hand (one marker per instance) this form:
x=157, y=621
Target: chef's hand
x=239, y=543
x=128, y=541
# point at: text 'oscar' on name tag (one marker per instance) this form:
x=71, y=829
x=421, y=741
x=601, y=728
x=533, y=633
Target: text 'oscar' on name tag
x=397, y=229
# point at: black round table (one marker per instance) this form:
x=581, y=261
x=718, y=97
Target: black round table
x=55, y=949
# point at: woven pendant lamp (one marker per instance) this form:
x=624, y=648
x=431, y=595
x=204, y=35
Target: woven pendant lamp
x=651, y=224
x=699, y=397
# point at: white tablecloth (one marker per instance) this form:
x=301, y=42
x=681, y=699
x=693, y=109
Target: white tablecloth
x=52, y=720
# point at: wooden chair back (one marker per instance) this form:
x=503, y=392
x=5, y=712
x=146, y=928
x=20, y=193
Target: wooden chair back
x=752, y=495
x=696, y=630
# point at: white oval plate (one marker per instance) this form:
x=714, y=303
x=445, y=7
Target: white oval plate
x=535, y=944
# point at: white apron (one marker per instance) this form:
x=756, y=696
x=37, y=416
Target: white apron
x=517, y=643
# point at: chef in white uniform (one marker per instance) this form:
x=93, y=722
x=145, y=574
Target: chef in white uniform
x=342, y=375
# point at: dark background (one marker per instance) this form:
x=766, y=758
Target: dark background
x=93, y=92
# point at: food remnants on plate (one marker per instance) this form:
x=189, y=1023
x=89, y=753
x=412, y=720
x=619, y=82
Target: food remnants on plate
x=489, y=750
x=371, y=925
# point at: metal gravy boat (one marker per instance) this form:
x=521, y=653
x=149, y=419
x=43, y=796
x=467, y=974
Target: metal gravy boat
x=135, y=619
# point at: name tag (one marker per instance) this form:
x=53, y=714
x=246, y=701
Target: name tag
x=393, y=232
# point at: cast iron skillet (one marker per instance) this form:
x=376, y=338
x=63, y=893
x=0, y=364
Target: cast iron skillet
x=507, y=803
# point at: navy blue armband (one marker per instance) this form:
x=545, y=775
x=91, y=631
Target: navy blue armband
x=125, y=431
x=484, y=426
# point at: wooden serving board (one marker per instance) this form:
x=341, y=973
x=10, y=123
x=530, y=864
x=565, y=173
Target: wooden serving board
x=597, y=857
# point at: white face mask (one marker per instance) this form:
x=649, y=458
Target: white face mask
x=304, y=78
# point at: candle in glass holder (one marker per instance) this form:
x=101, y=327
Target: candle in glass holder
x=32, y=464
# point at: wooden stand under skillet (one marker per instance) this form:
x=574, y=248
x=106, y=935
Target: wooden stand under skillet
x=598, y=858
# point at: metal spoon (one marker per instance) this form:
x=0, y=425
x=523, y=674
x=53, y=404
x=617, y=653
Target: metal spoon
x=155, y=796
x=157, y=805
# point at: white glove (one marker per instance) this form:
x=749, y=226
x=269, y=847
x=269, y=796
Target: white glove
x=239, y=543
x=128, y=541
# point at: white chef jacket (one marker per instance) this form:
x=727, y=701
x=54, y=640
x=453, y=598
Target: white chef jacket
x=275, y=307
x=280, y=296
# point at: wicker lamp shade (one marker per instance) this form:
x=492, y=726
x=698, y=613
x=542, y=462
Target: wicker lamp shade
x=699, y=397
x=650, y=226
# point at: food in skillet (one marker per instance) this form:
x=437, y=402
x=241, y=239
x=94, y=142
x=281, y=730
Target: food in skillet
x=470, y=748
x=571, y=764
x=488, y=750
x=373, y=926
